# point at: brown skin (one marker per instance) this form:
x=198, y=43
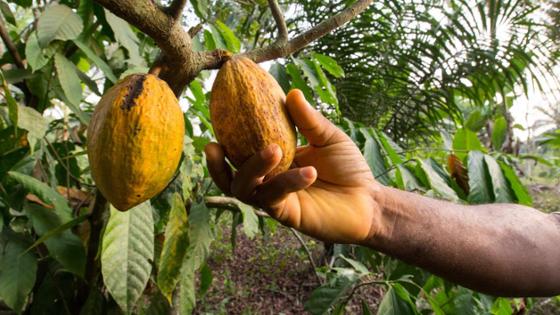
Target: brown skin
x=330, y=194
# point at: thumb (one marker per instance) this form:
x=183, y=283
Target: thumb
x=317, y=129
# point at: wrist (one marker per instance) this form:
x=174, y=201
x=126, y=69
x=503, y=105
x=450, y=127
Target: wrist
x=384, y=216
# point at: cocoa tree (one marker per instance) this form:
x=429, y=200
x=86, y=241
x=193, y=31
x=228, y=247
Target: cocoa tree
x=64, y=249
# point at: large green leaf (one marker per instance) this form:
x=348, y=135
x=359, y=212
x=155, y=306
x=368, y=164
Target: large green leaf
x=376, y=162
x=393, y=304
x=7, y=13
x=125, y=36
x=479, y=180
x=32, y=121
x=464, y=141
x=326, y=296
x=521, y=193
x=65, y=246
x=58, y=22
x=232, y=42
x=502, y=192
x=330, y=65
x=17, y=271
x=35, y=56
x=250, y=220
x=127, y=252
x=499, y=133
x=69, y=80
x=201, y=237
x=438, y=183
x=97, y=60
x=45, y=193
x=174, y=248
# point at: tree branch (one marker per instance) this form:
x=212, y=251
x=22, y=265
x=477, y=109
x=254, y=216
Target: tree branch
x=10, y=45
x=175, y=9
x=228, y=203
x=275, y=51
x=309, y=255
x=280, y=22
x=181, y=63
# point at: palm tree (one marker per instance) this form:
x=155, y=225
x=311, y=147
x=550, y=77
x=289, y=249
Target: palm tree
x=409, y=62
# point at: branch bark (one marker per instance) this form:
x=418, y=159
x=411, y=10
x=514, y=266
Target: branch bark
x=175, y=9
x=10, y=45
x=275, y=50
x=280, y=22
x=180, y=63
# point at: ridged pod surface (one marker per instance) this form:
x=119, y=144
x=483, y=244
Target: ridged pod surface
x=248, y=113
x=135, y=140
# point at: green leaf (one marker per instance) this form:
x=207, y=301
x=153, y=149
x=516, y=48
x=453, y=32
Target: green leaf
x=7, y=13
x=365, y=308
x=393, y=304
x=499, y=133
x=437, y=182
x=476, y=120
x=330, y=65
x=45, y=193
x=58, y=22
x=34, y=54
x=279, y=73
x=17, y=272
x=232, y=42
x=127, y=252
x=250, y=220
x=465, y=140
x=174, y=248
x=209, y=41
x=17, y=75
x=58, y=230
x=68, y=78
x=217, y=37
x=502, y=306
x=32, y=121
x=200, y=8
x=206, y=279
x=374, y=159
x=98, y=61
x=125, y=36
x=522, y=195
x=324, y=297
x=201, y=237
x=500, y=186
x=64, y=246
x=479, y=179
x=297, y=81
x=12, y=104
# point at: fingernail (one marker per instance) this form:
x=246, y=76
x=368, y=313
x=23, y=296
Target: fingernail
x=307, y=172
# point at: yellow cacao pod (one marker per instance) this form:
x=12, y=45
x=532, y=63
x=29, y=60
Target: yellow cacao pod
x=135, y=140
x=248, y=113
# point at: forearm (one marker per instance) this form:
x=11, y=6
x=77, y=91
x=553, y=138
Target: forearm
x=501, y=249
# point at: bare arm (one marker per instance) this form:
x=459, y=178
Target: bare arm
x=501, y=249
x=330, y=194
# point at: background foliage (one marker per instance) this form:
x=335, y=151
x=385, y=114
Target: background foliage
x=444, y=72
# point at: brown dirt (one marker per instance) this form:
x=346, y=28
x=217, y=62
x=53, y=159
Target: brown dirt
x=266, y=275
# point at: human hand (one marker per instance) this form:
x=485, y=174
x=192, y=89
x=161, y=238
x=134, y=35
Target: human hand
x=329, y=191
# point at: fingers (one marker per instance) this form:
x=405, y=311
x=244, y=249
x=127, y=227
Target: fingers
x=279, y=187
x=318, y=130
x=251, y=174
x=217, y=166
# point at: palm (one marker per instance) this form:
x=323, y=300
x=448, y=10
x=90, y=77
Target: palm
x=338, y=206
